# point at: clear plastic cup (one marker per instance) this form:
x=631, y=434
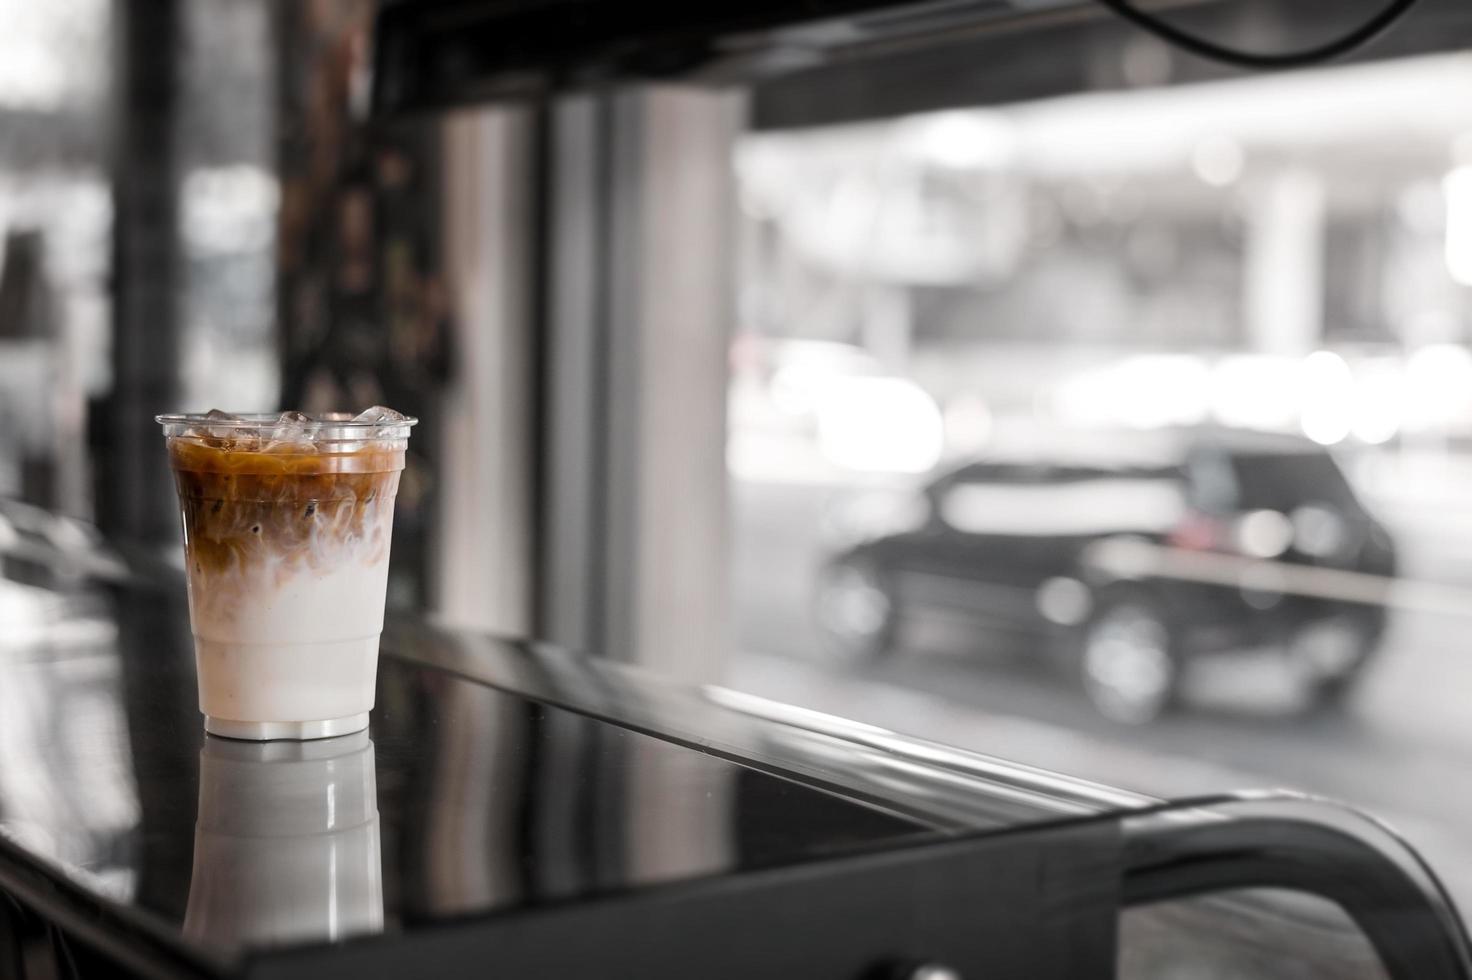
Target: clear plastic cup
x=286, y=543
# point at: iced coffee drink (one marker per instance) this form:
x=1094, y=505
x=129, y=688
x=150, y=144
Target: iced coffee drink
x=287, y=521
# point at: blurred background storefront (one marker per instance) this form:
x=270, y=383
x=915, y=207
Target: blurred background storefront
x=685, y=356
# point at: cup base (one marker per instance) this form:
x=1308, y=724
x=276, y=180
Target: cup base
x=298, y=731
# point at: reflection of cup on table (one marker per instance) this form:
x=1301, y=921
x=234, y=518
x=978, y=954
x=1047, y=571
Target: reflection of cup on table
x=287, y=521
x=286, y=847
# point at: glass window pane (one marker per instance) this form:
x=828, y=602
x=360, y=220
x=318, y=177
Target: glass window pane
x=1123, y=433
x=1246, y=935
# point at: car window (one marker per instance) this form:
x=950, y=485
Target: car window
x=1063, y=503
x=1284, y=481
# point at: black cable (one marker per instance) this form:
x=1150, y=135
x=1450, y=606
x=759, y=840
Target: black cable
x=1328, y=51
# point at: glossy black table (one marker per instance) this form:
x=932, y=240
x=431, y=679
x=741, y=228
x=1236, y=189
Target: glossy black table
x=517, y=810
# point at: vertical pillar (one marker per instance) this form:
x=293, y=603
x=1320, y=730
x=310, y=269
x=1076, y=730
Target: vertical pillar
x=571, y=458
x=482, y=568
x=135, y=499
x=1284, y=266
x=887, y=325
x=678, y=592
x=638, y=326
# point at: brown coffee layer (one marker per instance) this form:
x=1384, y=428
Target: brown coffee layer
x=349, y=469
x=288, y=509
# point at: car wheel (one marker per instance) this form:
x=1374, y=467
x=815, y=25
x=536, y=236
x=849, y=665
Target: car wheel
x=1329, y=659
x=1331, y=693
x=856, y=612
x=1131, y=670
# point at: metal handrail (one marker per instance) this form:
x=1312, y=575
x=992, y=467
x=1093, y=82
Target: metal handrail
x=1197, y=848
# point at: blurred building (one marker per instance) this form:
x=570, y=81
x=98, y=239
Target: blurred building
x=1147, y=258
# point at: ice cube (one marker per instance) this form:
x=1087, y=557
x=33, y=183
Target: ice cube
x=221, y=433
x=243, y=440
x=379, y=413
x=292, y=430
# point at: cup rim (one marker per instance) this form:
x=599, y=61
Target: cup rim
x=269, y=420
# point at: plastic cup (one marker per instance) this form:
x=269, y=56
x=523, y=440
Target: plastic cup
x=286, y=544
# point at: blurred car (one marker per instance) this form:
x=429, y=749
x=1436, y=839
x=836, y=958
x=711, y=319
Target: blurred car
x=1125, y=562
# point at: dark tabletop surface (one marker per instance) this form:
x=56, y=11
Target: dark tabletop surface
x=496, y=775
x=505, y=788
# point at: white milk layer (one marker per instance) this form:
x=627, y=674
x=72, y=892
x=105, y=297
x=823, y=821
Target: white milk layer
x=295, y=646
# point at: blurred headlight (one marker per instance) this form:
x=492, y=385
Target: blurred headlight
x=1263, y=534
x=1318, y=531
